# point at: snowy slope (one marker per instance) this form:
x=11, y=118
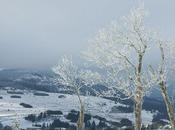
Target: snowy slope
x=10, y=108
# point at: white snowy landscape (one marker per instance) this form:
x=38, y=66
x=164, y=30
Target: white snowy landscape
x=87, y=65
x=10, y=110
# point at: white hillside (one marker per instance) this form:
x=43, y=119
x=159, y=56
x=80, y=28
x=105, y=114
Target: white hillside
x=10, y=108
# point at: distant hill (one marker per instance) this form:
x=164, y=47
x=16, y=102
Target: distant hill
x=27, y=79
x=44, y=80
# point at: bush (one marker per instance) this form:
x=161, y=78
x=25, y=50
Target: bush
x=26, y=105
x=100, y=118
x=126, y=122
x=50, y=112
x=59, y=124
x=87, y=117
x=73, y=117
x=102, y=124
x=7, y=128
x=15, y=92
x=61, y=96
x=15, y=96
x=40, y=94
x=31, y=118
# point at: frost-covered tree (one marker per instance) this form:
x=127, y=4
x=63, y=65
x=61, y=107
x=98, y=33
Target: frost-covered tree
x=169, y=49
x=161, y=75
x=119, y=50
x=73, y=78
x=163, y=87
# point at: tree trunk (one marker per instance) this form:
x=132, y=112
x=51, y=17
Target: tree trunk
x=138, y=109
x=168, y=104
x=138, y=120
x=80, y=123
x=138, y=96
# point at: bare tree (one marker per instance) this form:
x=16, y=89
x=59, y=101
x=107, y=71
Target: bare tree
x=163, y=88
x=161, y=75
x=73, y=78
x=119, y=49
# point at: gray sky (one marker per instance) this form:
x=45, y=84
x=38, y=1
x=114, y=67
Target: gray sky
x=35, y=33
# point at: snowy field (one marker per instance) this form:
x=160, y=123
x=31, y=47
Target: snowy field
x=10, y=110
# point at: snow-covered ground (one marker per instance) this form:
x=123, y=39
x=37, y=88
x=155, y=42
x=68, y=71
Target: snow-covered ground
x=10, y=110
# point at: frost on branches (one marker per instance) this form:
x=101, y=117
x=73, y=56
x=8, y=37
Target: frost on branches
x=73, y=78
x=119, y=50
x=161, y=75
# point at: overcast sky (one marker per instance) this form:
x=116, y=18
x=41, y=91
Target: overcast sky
x=35, y=33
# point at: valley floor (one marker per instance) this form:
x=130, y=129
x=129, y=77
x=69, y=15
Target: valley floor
x=11, y=110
